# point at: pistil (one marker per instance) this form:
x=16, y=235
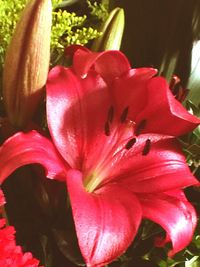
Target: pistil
x=91, y=182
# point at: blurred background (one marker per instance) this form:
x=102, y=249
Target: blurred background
x=165, y=35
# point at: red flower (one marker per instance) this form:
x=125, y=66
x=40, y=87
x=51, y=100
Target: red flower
x=112, y=130
x=11, y=255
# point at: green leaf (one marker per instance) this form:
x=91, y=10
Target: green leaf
x=194, y=80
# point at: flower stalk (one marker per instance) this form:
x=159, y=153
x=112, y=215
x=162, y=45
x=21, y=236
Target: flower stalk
x=27, y=62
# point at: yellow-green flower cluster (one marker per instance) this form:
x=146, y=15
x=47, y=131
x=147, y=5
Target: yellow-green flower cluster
x=99, y=10
x=67, y=28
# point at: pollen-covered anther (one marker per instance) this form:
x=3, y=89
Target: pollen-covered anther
x=147, y=147
x=140, y=127
x=130, y=143
x=110, y=114
x=107, y=128
x=124, y=115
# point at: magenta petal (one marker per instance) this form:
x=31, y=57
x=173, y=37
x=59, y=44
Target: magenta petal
x=109, y=64
x=27, y=148
x=174, y=213
x=131, y=91
x=175, y=121
x=163, y=168
x=106, y=221
x=76, y=112
x=70, y=50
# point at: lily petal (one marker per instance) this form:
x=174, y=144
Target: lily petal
x=70, y=50
x=163, y=168
x=131, y=91
x=175, y=120
x=109, y=64
x=176, y=215
x=76, y=112
x=110, y=213
x=28, y=148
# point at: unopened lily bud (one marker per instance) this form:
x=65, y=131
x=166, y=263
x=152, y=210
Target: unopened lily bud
x=27, y=62
x=112, y=32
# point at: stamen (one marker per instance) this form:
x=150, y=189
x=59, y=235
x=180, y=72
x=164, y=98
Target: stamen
x=107, y=128
x=124, y=114
x=147, y=147
x=111, y=114
x=140, y=127
x=130, y=143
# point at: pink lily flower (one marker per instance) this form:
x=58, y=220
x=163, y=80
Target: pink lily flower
x=113, y=132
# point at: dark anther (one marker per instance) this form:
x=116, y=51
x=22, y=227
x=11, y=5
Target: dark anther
x=124, y=114
x=147, y=147
x=111, y=114
x=107, y=128
x=140, y=127
x=130, y=143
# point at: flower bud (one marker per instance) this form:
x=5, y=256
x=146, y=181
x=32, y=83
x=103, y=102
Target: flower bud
x=112, y=32
x=27, y=62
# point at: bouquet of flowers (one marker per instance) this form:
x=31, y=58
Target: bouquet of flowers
x=99, y=160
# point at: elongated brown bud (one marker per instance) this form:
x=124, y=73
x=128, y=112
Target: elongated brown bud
x=27, y=62
x=112, y=32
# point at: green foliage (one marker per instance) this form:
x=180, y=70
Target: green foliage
x=191, y=142
x=67, y=28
